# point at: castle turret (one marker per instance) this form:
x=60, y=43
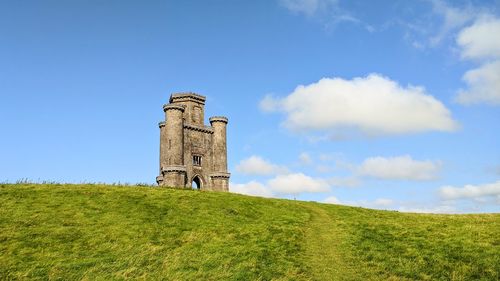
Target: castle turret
x=220, y=177
x=173, y=169
x=163, y=150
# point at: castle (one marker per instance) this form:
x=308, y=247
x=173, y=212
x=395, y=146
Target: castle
x=192, y=154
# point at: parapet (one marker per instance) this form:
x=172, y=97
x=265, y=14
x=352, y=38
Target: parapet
x=218, y=119
x=173, y=168
x=203, y=129
x=173, y=106
x=187, y=96
x=221, y=175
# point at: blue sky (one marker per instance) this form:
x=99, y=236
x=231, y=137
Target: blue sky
x=383, y=104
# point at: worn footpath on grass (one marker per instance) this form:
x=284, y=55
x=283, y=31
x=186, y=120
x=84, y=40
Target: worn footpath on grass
x=322, y=239
x=323, y=251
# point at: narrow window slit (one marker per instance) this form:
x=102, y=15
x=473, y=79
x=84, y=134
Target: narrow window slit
x=196, y=160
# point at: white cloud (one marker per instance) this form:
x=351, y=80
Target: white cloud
x=483, y=85
x=442, y=209
x=255, y=165
x=324, y=169
x=431, y=30
x=383, y=202
x=453, y=18
x=269, y=104
x=374, y=105
x=400, y=167
x=326, y=157
x=480, y=40
x=471, y=191
x=297, y=183
x=309, y=7
x=389, y=204
x=327, y=12
x=331, y=200
x=252, y=188
x=282, y=184
x=380, y=203
x=344, y=182
x=305, y=158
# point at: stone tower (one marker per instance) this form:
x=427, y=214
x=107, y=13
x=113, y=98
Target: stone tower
x=190, y=152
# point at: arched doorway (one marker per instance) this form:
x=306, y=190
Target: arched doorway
x=196, y=183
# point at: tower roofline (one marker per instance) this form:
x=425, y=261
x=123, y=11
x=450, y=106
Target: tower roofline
x=222, y=119
x=173, y=106
x=183, y=96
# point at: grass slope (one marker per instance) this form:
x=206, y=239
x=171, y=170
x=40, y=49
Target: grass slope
x=109, y=232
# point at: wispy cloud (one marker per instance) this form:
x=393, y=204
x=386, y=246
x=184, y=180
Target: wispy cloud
x=310, y=7
x=400, y=168
x=257, y=166
x=289, y=184
x=305, y=158
x=350, y=181
x=390, y=204
x=440, y=209
x=470, y=191
x=297, y=183
x=438, y=26
x=452, y=19
x=379, y=203
x=471, y=31
x=328, y=12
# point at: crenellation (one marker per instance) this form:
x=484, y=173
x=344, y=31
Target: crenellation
x=187, y=96
x=218, y=119
x=204, y=129
x=173, y=106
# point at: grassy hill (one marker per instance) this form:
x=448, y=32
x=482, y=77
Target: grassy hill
x=112, y=232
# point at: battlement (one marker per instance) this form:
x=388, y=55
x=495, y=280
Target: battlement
x=204, y=129
x=174, y=168
x=187, y=96
x=173, y=106
x=221, y=175
x=218, y=119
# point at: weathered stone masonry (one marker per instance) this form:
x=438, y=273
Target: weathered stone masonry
x=189, y=150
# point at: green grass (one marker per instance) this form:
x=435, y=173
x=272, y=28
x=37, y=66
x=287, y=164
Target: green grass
x=98, y=232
